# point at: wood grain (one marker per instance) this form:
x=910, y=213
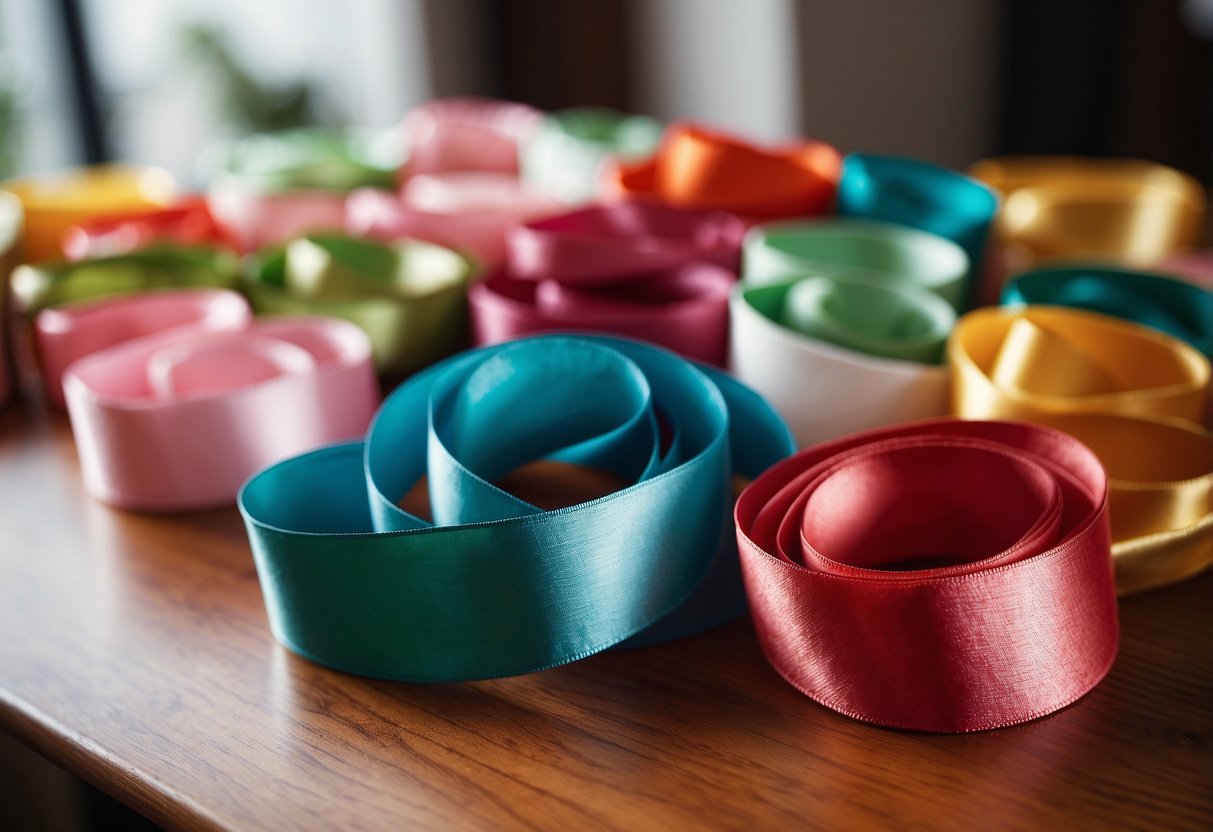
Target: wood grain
x=135, y=652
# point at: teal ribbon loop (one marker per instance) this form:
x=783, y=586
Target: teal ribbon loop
x=496, y=586
x=1176, y=307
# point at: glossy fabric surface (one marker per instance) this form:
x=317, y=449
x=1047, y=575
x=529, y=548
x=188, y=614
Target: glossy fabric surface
x=1137, y=396
x=1176, y=307
x=702, y=169
x=186, y=222
x=495, y=586
x=467, y=134
x=886, y=584
x=409, y=297
x=177, y=418
x=640, y=270
x=55, y=202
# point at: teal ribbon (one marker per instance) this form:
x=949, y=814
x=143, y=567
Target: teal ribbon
x=495, y=586
x=1176, y=307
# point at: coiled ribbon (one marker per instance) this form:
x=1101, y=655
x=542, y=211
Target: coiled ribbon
x=1135, y=395
x=564, y=156
x=495, y=586
x=467, y=134
x=187, y=222
x=10, y=255
x=55, y=203
x=168, y=418
x=641, y=270
x=886, y=584
x=701, y=169
x=409, y=297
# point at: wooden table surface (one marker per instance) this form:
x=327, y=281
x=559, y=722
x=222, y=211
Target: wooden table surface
x=134, y=652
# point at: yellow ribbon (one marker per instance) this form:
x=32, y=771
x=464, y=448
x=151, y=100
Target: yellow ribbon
x=1059, y=208
x=1136, y=396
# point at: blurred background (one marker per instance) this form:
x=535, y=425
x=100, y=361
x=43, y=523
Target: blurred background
x=951, y=81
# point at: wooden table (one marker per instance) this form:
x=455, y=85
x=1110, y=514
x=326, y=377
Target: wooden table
x=135, y=653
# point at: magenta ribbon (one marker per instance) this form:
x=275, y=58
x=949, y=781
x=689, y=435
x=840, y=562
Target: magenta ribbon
x=635, y=269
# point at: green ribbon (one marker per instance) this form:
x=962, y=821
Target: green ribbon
x=311, y=159
x=563, y=157
x=37, y=287
x=410, y=296
x=856, y=249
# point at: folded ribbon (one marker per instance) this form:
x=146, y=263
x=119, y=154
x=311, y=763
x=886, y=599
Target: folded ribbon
x=1135, y=395
x=10, y=255
x=698, y=168
x=496, y=586
x=1173, y=306
x=641, y=270
x=886, y=584
x=835, y=355
x=55, y=203
x=564, y=156
x=177, y=419
x=409, y=297
x=186, y=222
x=469, y=133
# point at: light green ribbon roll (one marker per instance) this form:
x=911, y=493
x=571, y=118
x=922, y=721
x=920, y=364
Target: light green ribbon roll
x=409, y=296
x=308, y=159
x=157, y=267
x=856, y=249
x=563, y=157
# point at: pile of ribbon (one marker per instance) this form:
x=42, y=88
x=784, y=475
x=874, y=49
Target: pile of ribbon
x=605, y=339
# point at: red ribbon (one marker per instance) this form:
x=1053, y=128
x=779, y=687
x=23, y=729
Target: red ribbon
x=938, y=576
x=644, y=271
x=187, y=222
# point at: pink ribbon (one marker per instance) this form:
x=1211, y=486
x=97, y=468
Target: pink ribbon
x=1194, y=266
x=453, y=134
x=255, y=219
x=171, y=417
x=633, y=269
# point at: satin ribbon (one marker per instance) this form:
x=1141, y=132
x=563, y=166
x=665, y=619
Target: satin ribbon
x=156, y=267
x=409, y=297
x=1194, y=266
x=177, y=419
x=796, y=343
x=10, y=255
x=269, y=188
x=465, y=134
x=640, y=270
x=468, y=211
x=702, y=169
x=495, y=586
x=1172, y=306
x=887, y=583
x=1137, y=396
x=56, y=202
x=920, y=195
x=850, y=248
x=565, y=155
x=186, y=222
x=1059, y=208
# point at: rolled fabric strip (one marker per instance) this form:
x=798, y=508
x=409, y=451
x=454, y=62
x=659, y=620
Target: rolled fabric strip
x=701, y=169
x=467, y=211
x=268, y=188
x=156, y=267
x=1176, y=307
x=564, y=155
x=178, y=419
x=465, y=134
x=409, y=297
x=186, y=222
x=1194, y=266
x=495, y=586
x=55, y=202
x=1137, y=396
x=923, y=196
x=10, y=255
x=885, y=584
x=1059, y=208
x=640, y=270
x=850, y=248
x=825, y=390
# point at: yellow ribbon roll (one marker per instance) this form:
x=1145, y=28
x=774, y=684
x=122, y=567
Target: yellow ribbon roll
x=1136, y=396
x=56, y=202
x=1062, y=208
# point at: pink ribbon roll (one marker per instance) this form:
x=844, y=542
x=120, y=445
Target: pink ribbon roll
x=255, y=218
x=453, y=134
x=639, y=270
x=467, y=210
x=177, y=419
